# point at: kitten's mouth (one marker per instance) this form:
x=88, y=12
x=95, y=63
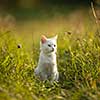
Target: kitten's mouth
x=52, y=50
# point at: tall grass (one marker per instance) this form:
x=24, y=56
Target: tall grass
x=78, y=61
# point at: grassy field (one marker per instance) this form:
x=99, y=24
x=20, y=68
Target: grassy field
x=78, y=59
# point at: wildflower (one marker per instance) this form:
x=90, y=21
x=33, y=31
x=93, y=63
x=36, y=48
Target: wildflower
x=69, y=33
x=19, y=46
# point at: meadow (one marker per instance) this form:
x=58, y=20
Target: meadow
x=78, y=60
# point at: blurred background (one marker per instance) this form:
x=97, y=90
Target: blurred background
x=28, y=19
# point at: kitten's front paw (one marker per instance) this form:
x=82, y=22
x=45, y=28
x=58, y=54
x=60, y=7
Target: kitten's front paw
x=57, y=77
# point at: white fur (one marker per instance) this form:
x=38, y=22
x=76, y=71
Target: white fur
x=47, y=65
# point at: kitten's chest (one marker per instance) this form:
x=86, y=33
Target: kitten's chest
x=50, y=60
x=47, y=63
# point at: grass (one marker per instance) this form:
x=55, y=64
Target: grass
x=78, y=64
x=78, y=58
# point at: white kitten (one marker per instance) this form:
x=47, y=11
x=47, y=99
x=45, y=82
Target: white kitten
x=47, y=65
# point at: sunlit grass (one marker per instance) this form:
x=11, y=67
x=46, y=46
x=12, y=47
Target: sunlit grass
x=78, y=59
x=78, y=64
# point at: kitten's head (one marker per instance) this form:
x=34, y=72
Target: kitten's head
x=48, y=45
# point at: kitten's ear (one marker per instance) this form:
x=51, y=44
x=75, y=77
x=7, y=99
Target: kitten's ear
x=55, y=37
x=43, y=39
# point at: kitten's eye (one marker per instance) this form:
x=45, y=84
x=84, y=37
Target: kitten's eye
x=49, y=45
x=54, y=45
